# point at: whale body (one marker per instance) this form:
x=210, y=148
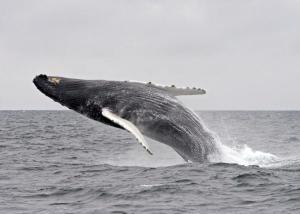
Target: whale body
x=143, y=109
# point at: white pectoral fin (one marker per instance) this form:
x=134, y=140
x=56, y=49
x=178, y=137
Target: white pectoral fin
x=128, y=126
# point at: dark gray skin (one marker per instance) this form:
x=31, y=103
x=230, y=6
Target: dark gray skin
x=155, y=112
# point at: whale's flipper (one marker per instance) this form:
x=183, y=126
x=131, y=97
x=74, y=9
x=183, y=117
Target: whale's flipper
x=175, y=91
x=128, y=126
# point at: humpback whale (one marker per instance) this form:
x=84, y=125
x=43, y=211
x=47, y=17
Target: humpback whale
x=143, y=109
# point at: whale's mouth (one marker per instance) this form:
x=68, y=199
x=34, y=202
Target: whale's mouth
x=47, y=85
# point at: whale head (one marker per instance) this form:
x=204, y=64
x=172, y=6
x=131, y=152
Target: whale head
x=72, y=93
x=87, y=97
x=47, y=87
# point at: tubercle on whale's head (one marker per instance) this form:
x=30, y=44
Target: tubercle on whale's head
x=72, y=93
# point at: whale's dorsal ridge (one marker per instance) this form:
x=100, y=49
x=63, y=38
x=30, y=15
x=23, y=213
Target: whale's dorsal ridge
x=128, y=126
x=175, y=91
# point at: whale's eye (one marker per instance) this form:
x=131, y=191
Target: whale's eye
x=54, y=80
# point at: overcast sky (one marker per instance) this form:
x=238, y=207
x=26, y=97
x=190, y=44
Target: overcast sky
x=245, y=53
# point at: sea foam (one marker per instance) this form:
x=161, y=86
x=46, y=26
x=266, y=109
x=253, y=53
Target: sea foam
x=242, y=155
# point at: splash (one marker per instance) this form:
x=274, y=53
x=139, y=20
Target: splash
x=242, y=155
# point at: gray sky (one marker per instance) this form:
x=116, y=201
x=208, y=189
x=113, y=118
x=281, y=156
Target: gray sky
x=245, y=53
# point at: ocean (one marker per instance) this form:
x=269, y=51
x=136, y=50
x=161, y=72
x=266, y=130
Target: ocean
x=61, y=162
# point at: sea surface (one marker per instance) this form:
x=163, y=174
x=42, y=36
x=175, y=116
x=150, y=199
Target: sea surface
x=61, y=162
